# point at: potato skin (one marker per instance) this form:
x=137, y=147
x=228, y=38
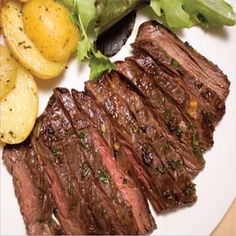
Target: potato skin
x=8, y=68
x=48, y=24
x=22, y=47
x=19, y=109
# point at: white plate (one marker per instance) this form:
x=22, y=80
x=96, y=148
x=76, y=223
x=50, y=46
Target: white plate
x=215, y=185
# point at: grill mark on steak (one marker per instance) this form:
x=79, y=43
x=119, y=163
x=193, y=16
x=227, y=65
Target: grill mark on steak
x=190, y=60
x=120, y=164
x=95, y=158
x=124, y=121
x=37, y=218
x=209, y=98
x=167, y=113
x=200, y=115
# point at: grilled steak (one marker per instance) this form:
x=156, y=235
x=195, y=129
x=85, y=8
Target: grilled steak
x=128, y=126
x=89, y=204
x=195, y=64
x=164, y=110
x=29, y=180
x=94, y=158
x=119, y=188
x=175, y=90
x=119, y=162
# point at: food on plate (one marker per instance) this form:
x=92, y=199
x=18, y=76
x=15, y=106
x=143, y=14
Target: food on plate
x=7, y=71
x=19, y=108
x=133, y=135
x=187, y=71
x=97, y=196
x=186, y=13
x=111, y=41
x=22, y=47
x=97, y=17
x=48, y=24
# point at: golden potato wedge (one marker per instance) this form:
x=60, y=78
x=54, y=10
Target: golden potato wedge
x=48, y=24
x=22, y=47
x=19, y=109
x=8, y=68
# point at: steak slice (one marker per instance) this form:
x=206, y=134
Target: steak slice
x=29, y=180
x=87, y=203
x=124, y=154
x=70, y=223
x=175, y=89
x=170, y=152
x=209, y=98
x=168, y=114
x=119, y=161
x=163, y=185
x=174, y=154
x=104, y=168
x=195, y=64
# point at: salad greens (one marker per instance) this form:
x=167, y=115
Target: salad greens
x=95, y=16
x=111, y=11
x=84, y=14
x=186, y=13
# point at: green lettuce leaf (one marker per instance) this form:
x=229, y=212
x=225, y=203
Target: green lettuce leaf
x=83, y=49
x=110, y=12
x=185, y=13
x=210, y=12
x=172, y=13
x=87, y=12
x=99, y=64
x=84, y=14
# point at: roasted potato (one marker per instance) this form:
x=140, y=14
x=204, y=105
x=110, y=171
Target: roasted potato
x=8, y=68
x=19, y=109
x=48, y=24
x=22, y=47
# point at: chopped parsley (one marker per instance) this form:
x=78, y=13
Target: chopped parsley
x=174, y=165
x=85, y=169
x=161, y=170
x=190, y=190
x=103, y=177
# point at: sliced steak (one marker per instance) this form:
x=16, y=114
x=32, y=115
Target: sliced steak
x=165, y=187
x=89, y=204
x=70, y=223
x=122, y=151
x=118, y=162
x=105, y=170
x=185, y=101
x=174, y=154
x=208, y=98
x=29, y=180
x=168, y=113
x=195, y=64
